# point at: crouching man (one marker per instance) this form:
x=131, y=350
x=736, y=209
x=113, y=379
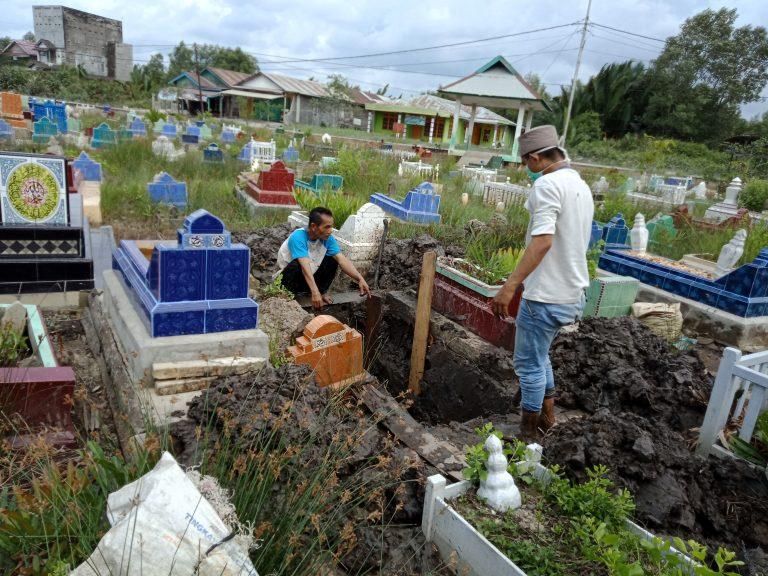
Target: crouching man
x=310, y=257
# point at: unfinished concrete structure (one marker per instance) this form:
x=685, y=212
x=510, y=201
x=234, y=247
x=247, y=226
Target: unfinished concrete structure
x=84, y=39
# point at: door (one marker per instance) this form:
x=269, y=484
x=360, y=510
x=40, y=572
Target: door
x=417, y=132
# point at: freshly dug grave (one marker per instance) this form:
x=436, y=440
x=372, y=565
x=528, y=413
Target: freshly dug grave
x=401, y=260
x=286, y=401
x=264, y=244
x=643, y=398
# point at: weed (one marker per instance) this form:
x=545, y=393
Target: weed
x=13, y=346
x=276, y=289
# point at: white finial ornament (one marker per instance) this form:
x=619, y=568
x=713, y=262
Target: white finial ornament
x=638, y=236
x=732, y=191
x=255, y=165
x=498, y=489
x=464, y=198
x=731, y=253
x=326, y=138
x=500, y=206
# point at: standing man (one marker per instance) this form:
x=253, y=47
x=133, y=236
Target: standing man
x=553, y=271
x=310, y=257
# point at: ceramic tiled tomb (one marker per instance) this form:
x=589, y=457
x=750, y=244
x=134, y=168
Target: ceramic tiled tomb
x=44, y=239
x=197, y=286
x=12, y=109
x=165, y=190
x=420, y=206
x=273, y=187
x=332, y=349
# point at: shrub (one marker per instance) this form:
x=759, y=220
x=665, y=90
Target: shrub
x=755, y=195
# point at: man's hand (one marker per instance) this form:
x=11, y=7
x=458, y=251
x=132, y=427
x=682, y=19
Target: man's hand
x=317, y=301
x=364, y=289
x=500, y=303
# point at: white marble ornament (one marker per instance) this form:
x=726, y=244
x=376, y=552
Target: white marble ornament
x=731, y=253
x=638, y=236
x=464, y=199
x=498, y=489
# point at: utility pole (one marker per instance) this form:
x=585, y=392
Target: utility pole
x=200, y=89
x=564, y=135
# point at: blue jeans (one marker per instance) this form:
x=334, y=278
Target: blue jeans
x=536, y=326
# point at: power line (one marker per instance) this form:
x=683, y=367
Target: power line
x=628, y=32
x=656, y=50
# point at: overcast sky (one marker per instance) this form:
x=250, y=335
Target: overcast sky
x=306, y=29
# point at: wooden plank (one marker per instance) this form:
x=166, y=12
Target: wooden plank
x=204, y=368
x=441, y=454
x=421, y=326
x=166, y=387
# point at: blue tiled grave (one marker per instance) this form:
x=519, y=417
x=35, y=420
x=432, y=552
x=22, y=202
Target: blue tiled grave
x=321, y=182
x=742, y=292
x=55, y=112
x=165, y=190
x=212, y=153
x=192, y=135
x=43, y=129
x=596, y=233
x=421, y=205
x=228, y=137
x=90, y=169
x=6, y=131
x=199, y=286
x=290, y=154
x=169, y=130
x=137, y=128
x=615, y=232
x=103, y=136
x=157, y=128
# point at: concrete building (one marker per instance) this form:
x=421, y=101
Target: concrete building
x=78, y=38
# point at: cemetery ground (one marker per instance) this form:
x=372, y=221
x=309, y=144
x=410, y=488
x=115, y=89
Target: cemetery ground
x=328, y=482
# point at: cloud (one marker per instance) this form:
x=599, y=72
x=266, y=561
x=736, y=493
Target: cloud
x=306, y=29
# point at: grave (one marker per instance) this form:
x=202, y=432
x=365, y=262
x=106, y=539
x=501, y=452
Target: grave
x=228, y=137
x=212, y=153
x=332, y=349
x=420, y=205
x=164, y=148
x=73, y=126
x=661, y=230
x=44, y=240
x=359, y=237
x=328, y=161
x=55, y=112
x=205, y=132
x=264, y=152
x=6, y=131
x=43, y=130
x=192, y=135
x=165, y=190
x=616, y=231
x=419, y=169
x=157, y=127
x=90, y=193
x=12, y=109
x=54, y=148
x=137, y=128
x=683, y=219
x=505, y=192
x=321, y=182
x=181, y=302
x=90, y=169
x=273, y=187
x=103, y=136
x=479, y=174
x=169, y=130
x=290, y=154
x=728, y=208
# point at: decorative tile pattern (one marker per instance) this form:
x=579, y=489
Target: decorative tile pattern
x=39, y=248
x=56, y=113
x=89, y=169
x=32, y=189
x=616, y=231
x=43, y=129
x=6, y=131
x=165, y=190
x=227, y=273
x=103, y=136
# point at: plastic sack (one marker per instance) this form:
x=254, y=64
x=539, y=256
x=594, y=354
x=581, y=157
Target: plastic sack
x=161, y=524
x=664, y=320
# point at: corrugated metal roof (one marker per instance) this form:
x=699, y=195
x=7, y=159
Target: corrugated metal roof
x=229, y=77
x=205, y=84
x=497, y=79
x=250, y=94
x=297, y=86
x=25, y=46
x=431, y=105
x=406, y=108
x=362, y=97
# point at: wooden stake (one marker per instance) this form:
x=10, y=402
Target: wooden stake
x=421, y=326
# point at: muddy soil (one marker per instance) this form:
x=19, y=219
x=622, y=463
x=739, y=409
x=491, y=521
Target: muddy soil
x=401, y=260
x=251, y=405
x=643, y=398
x=264, y=244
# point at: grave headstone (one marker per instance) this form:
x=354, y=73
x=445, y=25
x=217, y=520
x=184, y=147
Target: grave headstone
x=731, y=253
x=165, y=190
x=169, y=130
x=137, y=128
x=729, y=207
x=629, y=186
x=227, y=137
x=12, y=109
x=164, y=148
x=600, y=187
x=157, y=128
x=55, y=112
x=43, y=129
x=420, y=206
x=199, y=286
x=73, y=126
x=332, y=349
x=321, y=182
x=205, y=131
x=700, y=190
x=273, y=187
x=103, y=136
x=290, y=154
x=639, y=234
x=54, y=148
x=498, y=488
x=6, y=131
x=212, y=153
x=615, y=231
x=192, y=135
x=89, y=168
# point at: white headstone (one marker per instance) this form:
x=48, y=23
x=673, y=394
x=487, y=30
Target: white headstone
x=731, y=253
x=16, y=316
x=601, y=186
x=499, y=206
x=164, y=148
x=732, y=192
x=54, y=147
x=326, y=138
x=498, y=489
x=464, y=198
x=638, y=236
x=700, y=190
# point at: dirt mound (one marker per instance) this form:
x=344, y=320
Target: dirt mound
x=401, y=260
x=264, y=244
x=716, y=501
x=621, y=365
x=285, y=403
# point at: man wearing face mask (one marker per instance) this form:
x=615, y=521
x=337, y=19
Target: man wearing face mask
x=553, y=271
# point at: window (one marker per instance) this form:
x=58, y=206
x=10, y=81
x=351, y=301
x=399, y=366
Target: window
x=486, y=134
x=389, y=120
x=439, y=127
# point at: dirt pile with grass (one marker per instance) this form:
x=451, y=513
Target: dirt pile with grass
x=642, y=398
x=264, y=244
x=401, y=260
x=370, y=496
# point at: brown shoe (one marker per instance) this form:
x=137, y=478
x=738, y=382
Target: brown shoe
x=529, y=427
x=547, y=418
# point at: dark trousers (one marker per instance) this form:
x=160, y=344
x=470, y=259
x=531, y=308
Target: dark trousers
x=293, y=277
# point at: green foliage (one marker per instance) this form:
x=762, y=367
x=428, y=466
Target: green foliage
x=585, y=128
x=13, y=346
x=494, y=267
x=182, y=59
x=276, y=289
x=593, y=257
x=340, y=204
x=755, y=195
x=755, y=451
x=153, y=116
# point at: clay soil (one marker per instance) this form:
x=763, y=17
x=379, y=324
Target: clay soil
x=643, y=401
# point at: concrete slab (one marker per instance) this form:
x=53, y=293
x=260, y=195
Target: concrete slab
x=140, y=351
x=747, y=334
x=254, y=208
x=102, y=245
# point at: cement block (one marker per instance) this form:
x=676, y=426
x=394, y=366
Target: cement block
x=140, y=351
